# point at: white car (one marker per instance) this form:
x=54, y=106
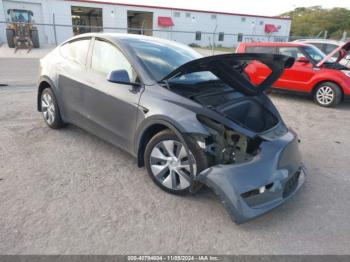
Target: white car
x=327, y=46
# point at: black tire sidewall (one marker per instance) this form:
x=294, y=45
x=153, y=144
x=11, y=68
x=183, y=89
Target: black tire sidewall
x=57, y=123
x=10, y=34
x=337, y=94
x=35, y=38
x=196, y=151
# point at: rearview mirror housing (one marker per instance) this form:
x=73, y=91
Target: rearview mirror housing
x=303, y=59
x=120, y=77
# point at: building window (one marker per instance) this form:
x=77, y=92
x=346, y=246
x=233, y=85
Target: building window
x=240, y=37
x=86, y=19
x=213, y=17
x=221, y=36
x=243, y=19
x=177, y=14
x=261, y=22
x=198, y=35
x=188, y=15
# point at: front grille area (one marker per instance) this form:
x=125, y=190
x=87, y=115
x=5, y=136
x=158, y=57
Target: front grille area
x=291, y=184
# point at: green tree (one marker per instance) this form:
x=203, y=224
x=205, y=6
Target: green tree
x=310, y=21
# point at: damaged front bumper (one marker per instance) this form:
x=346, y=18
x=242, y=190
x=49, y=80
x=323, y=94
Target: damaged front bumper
x=253, y=188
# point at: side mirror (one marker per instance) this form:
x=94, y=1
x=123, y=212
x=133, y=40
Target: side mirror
x=303, y=59
x=120, y=77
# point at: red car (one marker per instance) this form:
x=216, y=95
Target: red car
x=313, y=72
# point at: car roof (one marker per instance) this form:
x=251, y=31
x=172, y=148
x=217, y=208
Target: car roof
x=273, y=44
x=330, y=41
x=123, y=37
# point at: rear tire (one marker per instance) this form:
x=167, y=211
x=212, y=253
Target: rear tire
x=328, y=94
x=50, y=110
x=170, y=177
x=10, y=35
x=35, y=38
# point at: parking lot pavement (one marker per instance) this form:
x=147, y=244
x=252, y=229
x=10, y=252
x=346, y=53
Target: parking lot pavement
x=67, y=192
x=19, y=71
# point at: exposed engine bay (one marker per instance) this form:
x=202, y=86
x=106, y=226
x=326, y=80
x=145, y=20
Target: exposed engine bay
x=222, y=86
x=226, y=146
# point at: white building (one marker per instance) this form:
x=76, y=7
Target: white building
x=183, y=25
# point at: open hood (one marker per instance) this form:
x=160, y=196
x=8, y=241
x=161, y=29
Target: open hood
x=230, y=69
x=343, y=52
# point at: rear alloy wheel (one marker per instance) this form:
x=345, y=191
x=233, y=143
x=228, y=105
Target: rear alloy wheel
x=328, y=94
x=168, y=163
x=49, y=109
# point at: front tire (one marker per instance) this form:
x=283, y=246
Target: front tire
x=328, y=94
x=50, y=110
x=168, y=164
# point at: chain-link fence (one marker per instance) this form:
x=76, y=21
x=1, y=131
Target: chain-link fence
x=53, y=34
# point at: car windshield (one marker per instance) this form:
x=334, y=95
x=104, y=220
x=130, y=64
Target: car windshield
x=161, y=58
x=316, y=54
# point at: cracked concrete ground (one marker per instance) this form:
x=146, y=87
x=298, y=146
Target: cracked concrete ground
x=68, y=192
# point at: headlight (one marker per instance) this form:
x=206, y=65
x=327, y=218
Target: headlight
x=346, y=72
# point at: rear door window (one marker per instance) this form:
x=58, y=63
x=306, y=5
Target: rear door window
x=319, y=46
x=262, y=49
x=329, y=48
x=76, y=51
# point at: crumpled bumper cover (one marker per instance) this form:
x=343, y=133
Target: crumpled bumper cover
x=277, y=171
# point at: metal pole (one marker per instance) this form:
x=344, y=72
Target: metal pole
x=213, y=42
x=54, y=28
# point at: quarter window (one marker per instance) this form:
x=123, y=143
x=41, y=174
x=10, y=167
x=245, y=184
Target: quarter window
x=107, y=58
x=76, y=51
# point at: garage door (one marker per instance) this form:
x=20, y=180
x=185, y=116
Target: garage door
x=37, y=14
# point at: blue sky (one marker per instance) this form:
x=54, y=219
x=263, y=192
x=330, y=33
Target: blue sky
x=257, y=7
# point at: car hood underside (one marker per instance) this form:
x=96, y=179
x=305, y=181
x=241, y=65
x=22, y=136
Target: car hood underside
x=230, y=68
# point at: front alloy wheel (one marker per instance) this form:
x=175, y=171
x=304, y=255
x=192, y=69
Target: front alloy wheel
x=168, y=163
x=50, y=110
